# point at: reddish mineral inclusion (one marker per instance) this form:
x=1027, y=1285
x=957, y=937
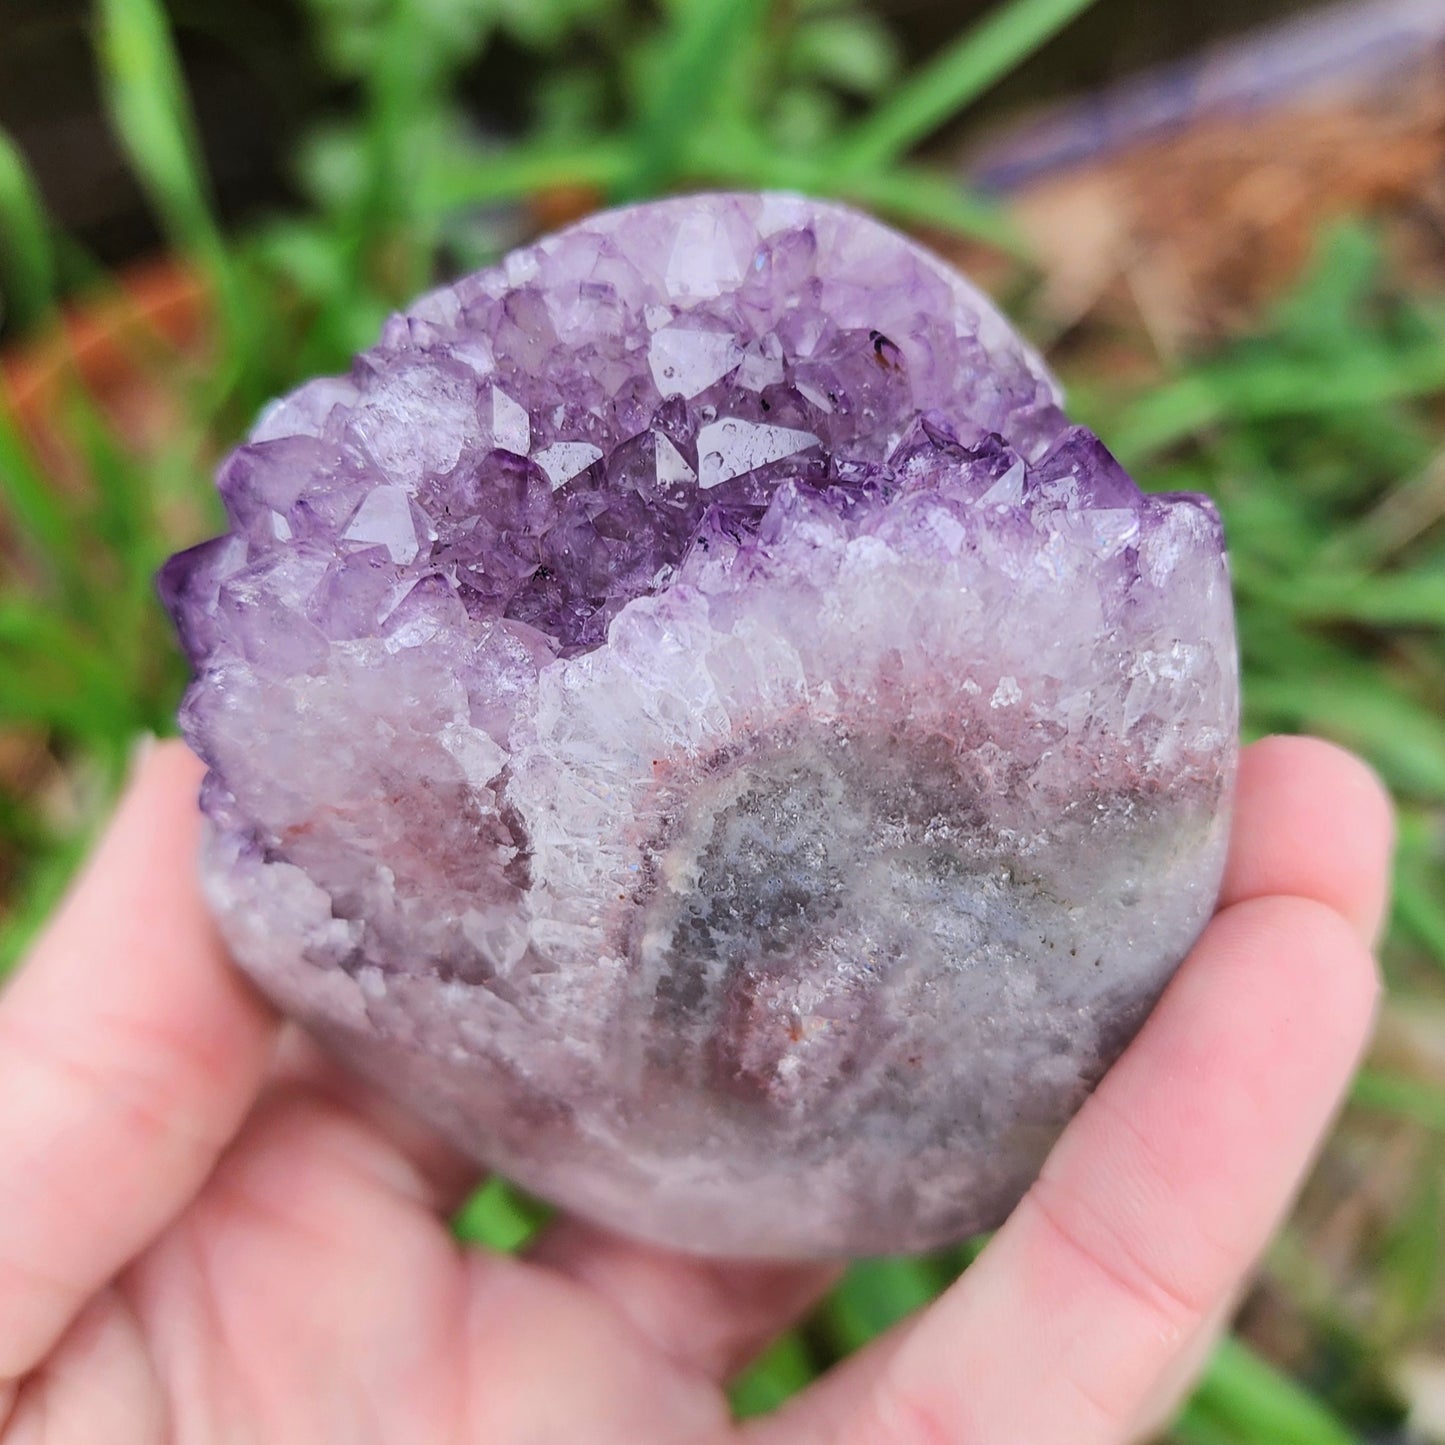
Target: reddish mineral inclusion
x=690, y=716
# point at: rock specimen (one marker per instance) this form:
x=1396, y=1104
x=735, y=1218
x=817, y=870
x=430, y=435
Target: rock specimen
x=689, y=714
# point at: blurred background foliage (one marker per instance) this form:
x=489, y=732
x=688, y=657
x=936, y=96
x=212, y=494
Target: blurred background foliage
x=434, y=134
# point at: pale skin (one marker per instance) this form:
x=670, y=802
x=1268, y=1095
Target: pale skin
x=211, y=1236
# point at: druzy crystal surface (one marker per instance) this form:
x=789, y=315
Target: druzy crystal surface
x=690, y=715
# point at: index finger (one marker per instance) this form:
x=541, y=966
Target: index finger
x=130, y=1049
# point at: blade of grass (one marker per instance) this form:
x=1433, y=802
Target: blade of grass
x=399, y=91
x=20, y=824
x=455, y=182
x=978, y=59
x=1263, y=392
x=44, y=884
x=498, y=1217
x=142, y=80
x=1392, y=1093
x=1398, y=735
x=43, y=704
x=773, y=1379
x=857, y=52
x=407, y=91
x=1421, y=912
x=698, y=46
x=1419, y=898
x=144, y=87
x=36, y=508
x=135, y=545
x=1396, y=599
x=911, y=195
x=1401, y=516
x=27, y=260
x=917, y=197
x=873, y=1296
x=1412, y=1262
x=42, y=654
x=1197, y=1427
x=1265, y=1407
x=124, y=517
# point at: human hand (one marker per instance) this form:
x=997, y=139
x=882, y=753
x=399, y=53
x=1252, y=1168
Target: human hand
x=209, y=1233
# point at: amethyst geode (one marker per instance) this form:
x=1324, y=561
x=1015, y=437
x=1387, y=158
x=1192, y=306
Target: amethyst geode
x=689, y=714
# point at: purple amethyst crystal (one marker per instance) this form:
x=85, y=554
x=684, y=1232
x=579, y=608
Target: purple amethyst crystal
x=690, y=715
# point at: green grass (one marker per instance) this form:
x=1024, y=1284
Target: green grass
x=1322, y=438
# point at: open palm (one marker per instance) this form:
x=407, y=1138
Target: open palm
x=209, y=1233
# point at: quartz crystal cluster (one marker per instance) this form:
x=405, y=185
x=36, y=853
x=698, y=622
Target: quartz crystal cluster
x=690, y=715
